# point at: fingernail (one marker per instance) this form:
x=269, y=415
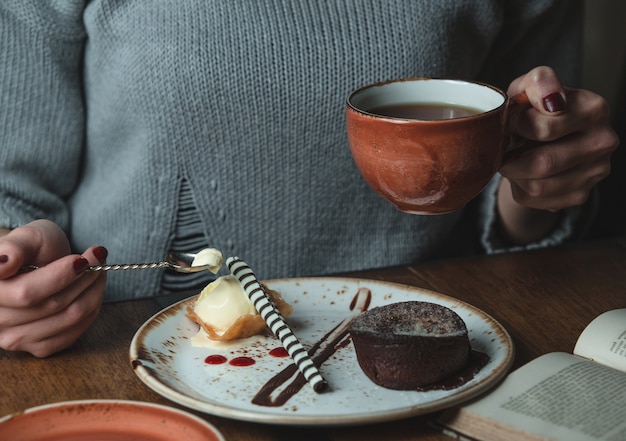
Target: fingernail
x=80, y=265
x=4, y=258
x=553, y=102
x=101, y=253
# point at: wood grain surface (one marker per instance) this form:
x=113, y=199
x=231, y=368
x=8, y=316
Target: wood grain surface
x=544, y=298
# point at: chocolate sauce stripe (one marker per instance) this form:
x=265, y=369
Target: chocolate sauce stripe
x=264, y=396
x=336, y=339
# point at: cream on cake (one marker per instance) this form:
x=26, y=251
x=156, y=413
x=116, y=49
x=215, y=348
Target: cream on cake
x=209, y=257
x=225, y=313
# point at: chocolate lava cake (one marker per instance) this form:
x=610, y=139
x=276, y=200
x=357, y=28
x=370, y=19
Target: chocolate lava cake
x=408, y=345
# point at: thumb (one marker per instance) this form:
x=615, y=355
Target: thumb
x=36, y=243
x=544, y=89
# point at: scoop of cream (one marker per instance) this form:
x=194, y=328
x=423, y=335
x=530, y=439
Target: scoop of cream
x=222, y=302
x=210, y=257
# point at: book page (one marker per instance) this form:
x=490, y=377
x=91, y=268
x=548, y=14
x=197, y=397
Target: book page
x=556, y=396
x=604, y=340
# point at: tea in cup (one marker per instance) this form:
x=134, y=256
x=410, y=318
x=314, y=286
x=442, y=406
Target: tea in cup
x=429, y=146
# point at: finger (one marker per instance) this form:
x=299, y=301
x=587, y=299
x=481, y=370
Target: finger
x=36, y=243
x=17, y=248
x=556, y=157
x=30, y=289
x=565, y=190
x=50, y=305
x=556, y=203
x=585, y=110
x=55, y=343
x=544, y=89
x=96, y=255
x=52, y=334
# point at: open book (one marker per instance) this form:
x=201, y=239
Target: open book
x=558, y=396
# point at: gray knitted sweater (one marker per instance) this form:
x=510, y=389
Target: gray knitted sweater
x=107, y=106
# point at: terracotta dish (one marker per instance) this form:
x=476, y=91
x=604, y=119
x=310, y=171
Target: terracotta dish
x=105, y=420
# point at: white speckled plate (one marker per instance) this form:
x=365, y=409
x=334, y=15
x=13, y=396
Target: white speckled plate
x=164, y=359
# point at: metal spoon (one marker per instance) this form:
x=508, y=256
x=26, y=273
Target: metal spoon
x=178, y=261
x=181, y=262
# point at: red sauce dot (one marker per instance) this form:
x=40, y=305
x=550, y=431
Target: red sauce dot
x=242, y=361
x=279, y=352
x=215, y=359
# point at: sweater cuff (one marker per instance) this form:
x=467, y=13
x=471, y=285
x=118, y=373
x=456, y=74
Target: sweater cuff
x=493, y=240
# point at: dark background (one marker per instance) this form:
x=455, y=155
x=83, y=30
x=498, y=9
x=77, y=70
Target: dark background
x=605, y=73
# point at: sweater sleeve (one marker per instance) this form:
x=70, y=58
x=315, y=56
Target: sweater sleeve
x=534, y=33
x=493, y=241
x=42, y=117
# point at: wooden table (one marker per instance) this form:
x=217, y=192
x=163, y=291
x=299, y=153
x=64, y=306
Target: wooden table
x=543, y=298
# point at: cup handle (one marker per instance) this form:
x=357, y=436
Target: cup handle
x=516, y=144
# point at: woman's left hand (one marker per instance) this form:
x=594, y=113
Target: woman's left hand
x=574, y=152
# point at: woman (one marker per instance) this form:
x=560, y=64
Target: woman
x=145, y=126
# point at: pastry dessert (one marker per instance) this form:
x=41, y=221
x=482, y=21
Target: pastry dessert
x=407, y=345
x=225, y=313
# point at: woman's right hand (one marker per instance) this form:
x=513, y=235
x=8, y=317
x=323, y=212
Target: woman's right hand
x=46, y=310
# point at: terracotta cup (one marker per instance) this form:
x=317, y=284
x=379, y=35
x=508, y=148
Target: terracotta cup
x=429, y=166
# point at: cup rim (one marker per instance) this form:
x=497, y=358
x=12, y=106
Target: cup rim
x=355, y=92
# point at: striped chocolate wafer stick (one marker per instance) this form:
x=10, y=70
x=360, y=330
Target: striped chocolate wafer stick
x=263, y=303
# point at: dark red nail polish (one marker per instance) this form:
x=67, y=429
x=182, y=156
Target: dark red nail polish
x=80, y=265
x=4, y=258
x=101, y=253
x=553, y=102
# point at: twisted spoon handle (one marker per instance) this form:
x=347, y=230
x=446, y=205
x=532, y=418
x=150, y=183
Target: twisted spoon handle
x=129, y=266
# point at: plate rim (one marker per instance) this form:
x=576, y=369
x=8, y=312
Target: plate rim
x=91, y=402
x=235, y=413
